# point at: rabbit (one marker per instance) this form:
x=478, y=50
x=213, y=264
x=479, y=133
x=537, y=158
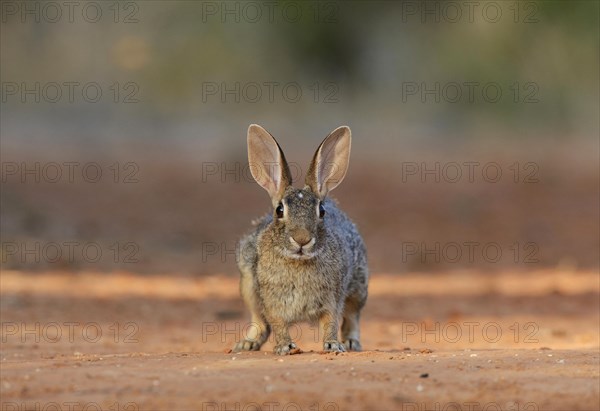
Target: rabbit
x=305, y=261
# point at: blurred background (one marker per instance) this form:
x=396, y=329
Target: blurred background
x=475, y=129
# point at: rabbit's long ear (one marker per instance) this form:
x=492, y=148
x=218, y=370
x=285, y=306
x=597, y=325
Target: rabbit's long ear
x=267, y=162
x=330, y=162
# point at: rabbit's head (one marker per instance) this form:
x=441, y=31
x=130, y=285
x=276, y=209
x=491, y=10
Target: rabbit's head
x=298, y=214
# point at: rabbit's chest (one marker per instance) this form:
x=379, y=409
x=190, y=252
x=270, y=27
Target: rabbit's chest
x=296, y=297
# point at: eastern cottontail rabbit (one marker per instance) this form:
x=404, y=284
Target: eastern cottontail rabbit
x=305, y=261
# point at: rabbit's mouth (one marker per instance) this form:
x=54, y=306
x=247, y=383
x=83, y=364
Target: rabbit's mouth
x=301, y=254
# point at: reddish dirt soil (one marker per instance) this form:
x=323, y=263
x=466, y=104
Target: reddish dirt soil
x=458, y=340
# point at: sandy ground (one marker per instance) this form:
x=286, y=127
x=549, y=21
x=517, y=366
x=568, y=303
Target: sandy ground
x=459, y=340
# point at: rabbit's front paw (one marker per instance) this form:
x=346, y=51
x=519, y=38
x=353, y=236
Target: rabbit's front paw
x=352, y=345
x=333, y=346
x=284, y=349
x=247, y=345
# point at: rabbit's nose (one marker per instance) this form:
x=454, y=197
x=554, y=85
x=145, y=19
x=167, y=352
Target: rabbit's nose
x=301, y=237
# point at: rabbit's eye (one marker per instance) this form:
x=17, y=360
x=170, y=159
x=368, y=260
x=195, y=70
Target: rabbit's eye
x=279, y=210
x=321, y=210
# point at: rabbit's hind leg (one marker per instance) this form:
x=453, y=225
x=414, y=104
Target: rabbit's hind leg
x=259, y=330
x=351, y=326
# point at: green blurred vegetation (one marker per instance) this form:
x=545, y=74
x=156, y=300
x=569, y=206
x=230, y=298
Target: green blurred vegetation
x=368, y=49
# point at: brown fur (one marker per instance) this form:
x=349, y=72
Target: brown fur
x=328, y=282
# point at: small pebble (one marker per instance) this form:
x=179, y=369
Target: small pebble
x=424, y=375
x=420, y=388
